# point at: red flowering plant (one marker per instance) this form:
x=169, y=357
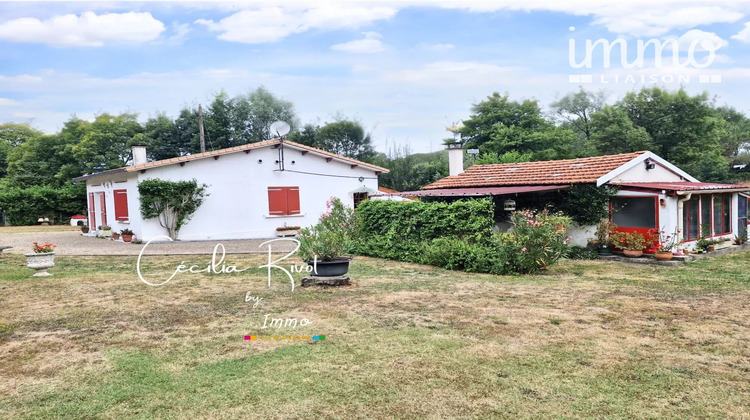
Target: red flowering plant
x=44, y=248
x=667, y=241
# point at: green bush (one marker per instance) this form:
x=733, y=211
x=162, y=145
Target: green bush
x=330, y=238
x=459, y=236
x=24, y=206
x=582, y=253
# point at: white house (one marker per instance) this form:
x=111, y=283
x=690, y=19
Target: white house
x=653, y=193
x=253, y=189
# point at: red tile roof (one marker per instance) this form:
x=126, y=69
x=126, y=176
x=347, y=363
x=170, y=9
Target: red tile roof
x=568, y=171
x=244, y=147
x=477, y=191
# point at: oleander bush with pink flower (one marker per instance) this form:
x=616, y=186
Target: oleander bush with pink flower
x=537, y=241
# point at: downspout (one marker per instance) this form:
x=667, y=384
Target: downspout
x=680, y=218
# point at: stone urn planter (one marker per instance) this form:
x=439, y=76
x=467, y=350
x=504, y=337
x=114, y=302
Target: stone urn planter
x=663, y=255
x=40, y=262
x=632, y=254
x=105, y=233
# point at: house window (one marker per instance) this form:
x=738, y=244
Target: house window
x=283, y=201
x=691, y=219
x=359, y=197
x=121, y=205
x=715, y=215
x=634, y=212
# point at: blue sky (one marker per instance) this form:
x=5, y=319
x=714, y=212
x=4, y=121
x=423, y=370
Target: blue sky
x=405, y=69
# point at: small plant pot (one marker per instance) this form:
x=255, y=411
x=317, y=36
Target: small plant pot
x=711, y=248
x=127, y=238
x=84, y=229
x=40, y=262
x=632, y=254
x=603, y=250
x=663, y=255
x=115, y=236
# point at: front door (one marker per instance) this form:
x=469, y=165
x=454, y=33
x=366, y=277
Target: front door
x=102, y=210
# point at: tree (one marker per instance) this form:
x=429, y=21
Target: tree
x=218, y=122
x=508, y=157
x=576, y=109
x=735, y=136
x=44, y=160
x=106, y=142
x=306, y=135
x=410, y=172
x=684, y=129
x=172, y=203
x=253, y=114
x=500, y=125
x=346, y=138
x=13, y=135
x=161, y=138
x=612, y=132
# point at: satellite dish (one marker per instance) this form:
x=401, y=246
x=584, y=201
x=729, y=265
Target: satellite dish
x=279, y=128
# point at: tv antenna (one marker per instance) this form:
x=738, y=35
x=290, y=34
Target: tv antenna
x=279, y=129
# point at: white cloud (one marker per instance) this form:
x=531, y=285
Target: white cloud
x=7, y=102
x=86, y=30
x=701, y=41
x=744, y=34
x=272, y=24
x=179, y=33
x=368, y=45
x=455, y=73
x=435, y=47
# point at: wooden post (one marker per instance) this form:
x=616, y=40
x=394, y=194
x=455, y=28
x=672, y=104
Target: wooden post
x=200, y=128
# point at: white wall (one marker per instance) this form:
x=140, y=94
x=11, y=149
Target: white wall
x=237, y=205
x=639, y=173
x=107, y=185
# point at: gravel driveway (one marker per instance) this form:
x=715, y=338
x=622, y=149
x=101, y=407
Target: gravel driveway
x=74, y=243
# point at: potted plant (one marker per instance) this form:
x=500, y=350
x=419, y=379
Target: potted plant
x=127, y=235
x=115, y=235
x=604, y=232
x=84, y=229
x=285, y=231
x=41, y=259
x=326, y=245
x=667, y=243
x=105, y=231
x=707, y=245
x=631, y=243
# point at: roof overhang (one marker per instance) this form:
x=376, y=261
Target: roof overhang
x=479, y=191
x=637, y=161
x=682, y=188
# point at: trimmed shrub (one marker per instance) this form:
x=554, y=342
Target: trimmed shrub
x=399, y=231
x=23, y=206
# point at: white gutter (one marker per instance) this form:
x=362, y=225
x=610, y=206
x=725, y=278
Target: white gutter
x=680, y=211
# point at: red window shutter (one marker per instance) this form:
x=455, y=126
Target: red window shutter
x=121, y=204
x=92, y=211
x=292, y=200
x=277, y=201
x=103, y=203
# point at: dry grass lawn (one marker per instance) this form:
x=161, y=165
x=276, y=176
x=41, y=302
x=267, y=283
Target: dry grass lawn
x=587, y=339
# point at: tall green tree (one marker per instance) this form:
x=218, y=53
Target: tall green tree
x=346, y=138
x=253, y=114
x=161, y=138
x=501, y=125
x=13, y=135
x=613, y=132
x=685, y=130
x=106, y=142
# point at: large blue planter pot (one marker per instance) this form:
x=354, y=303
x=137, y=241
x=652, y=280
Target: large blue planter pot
x=334, y=268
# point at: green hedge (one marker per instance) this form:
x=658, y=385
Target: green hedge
x=399, y=230
x=24, y=206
